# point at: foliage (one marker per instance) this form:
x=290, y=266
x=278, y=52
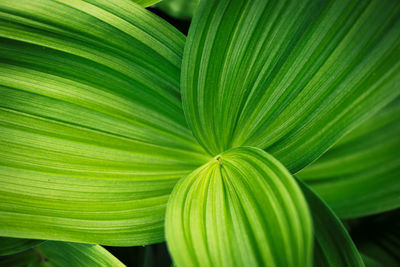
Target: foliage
x=240, y=145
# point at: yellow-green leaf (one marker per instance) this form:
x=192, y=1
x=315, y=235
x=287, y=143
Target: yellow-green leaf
x=92, y=133
x=243, y=208
x=146, y=3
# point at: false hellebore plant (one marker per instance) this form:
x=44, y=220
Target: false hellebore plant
x=118, y=130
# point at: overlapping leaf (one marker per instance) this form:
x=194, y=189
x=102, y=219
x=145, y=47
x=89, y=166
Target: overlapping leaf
x=10, y=246
x=333, y=245
x=52, y=253
x=92, y=133
x=288, y=77
x=360, y=174
x=243, y=208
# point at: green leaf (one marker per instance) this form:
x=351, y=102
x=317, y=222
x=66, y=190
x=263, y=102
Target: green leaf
x=146, y=3
x=53, y=253
x=360, y=174
x=243, y=208
x=10, y=246
x=92, y=131
x=370, y=262
x=182, y=9
x=333, y=245
x=28, y=258
x=291, y=78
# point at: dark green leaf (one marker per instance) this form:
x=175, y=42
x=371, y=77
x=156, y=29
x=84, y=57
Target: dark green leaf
x=52, y=253
x=333, y=245
x=10, y=246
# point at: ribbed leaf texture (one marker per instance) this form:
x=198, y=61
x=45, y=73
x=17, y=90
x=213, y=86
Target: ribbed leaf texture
x=243, y=208
x=360, y=174
x=92, y=131
x=94, y=135
x=288, y=77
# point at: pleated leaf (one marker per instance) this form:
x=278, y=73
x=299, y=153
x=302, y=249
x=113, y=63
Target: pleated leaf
x=243, y=208
x=289, y=77
x=10, y=246
x=53, y=253
x=360, y=174
x=92, y=132
x=333, y=246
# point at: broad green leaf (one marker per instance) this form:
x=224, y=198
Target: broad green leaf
x=291, y=78
x=53, y=253
x=360, y=174
x=243, y=208
x=14, y=245
x=378, y=239
x=92, y=133
x=333, y=245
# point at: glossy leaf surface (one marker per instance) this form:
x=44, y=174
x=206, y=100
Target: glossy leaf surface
x=243, y=208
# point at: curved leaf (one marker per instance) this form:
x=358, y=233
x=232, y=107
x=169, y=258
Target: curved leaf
x=291, y=78
x=360, y=174
x=52, y=253
x=243, y=208
x=370, y=262
x=333, y=245
x=146, y=3
x=10, y=246
x=92, y=133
